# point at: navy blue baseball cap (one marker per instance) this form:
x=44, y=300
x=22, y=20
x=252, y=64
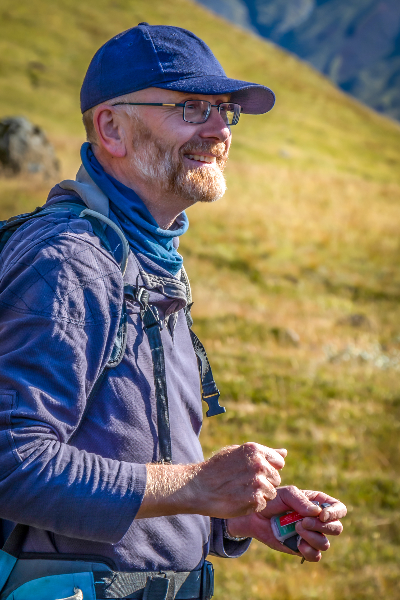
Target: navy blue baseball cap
x=165, y=57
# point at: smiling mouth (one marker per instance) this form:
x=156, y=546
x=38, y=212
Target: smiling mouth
x=201, y=158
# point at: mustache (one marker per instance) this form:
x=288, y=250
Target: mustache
x=217, y=149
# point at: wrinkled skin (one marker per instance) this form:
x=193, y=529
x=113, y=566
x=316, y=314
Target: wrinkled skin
x=313, y=529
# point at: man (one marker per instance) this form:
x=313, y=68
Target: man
x=104, y=464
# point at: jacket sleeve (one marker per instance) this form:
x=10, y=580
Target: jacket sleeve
x=221, y=546
x=60, y=298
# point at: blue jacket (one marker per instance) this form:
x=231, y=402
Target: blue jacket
x=60, y=298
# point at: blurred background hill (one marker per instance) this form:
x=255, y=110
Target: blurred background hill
x=356, y=43
x=294, y=272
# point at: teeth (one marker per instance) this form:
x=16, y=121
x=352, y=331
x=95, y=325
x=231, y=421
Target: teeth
x=207, y=159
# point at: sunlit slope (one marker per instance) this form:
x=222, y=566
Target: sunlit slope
x=306, y=237
x=45, y=48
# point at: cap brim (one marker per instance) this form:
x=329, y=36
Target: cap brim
x=254, y=99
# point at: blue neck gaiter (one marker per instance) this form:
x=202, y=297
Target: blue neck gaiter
x=139, y=226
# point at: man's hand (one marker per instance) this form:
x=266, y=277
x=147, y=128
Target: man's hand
x=238, y=480
x=314, y=528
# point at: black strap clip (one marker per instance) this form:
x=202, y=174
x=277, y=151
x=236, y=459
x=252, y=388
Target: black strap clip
x=209, y=391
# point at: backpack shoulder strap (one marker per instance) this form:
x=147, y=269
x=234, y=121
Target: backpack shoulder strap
x=79, y=208
x=152, y=327
x=7, y=228
x=92, y=215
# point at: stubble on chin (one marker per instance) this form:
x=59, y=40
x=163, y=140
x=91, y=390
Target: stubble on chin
x=155, y=162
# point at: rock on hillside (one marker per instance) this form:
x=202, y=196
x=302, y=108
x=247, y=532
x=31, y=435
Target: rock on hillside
x=356, y=43
x=25, y=150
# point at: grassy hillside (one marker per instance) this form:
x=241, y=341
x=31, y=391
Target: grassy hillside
x=294, y=273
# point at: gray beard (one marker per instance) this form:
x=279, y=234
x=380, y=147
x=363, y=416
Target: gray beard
x=156, y=163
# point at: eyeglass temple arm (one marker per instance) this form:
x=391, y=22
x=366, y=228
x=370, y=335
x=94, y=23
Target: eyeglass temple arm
x=146, y=104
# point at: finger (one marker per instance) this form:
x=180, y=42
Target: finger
x=315, y=539
x=256, y=452
x=264, y=494
x=330, y=528
x=320, y=496
x=269, y=493
x=297, y=500
x=309, y=553
x=272, y=475
x=281, y=451
x=337, y=510
x=259, y=464
x=275, y=459
x=332, y=513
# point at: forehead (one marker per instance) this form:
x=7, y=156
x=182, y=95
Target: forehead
x=154, y=94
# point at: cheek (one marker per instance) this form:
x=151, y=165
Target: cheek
x=175, y=133
x=173, y=130
x=174, y=144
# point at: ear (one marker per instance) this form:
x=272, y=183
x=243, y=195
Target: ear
x=110, y=131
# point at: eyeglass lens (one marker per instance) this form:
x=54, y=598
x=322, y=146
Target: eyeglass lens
x=198, y=111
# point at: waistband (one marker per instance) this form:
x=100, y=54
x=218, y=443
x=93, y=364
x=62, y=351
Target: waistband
x=168, y=585
x=109, y=584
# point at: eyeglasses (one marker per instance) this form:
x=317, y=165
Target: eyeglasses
x=198, y=111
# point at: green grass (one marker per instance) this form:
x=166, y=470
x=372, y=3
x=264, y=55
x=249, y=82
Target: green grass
x=307, y=234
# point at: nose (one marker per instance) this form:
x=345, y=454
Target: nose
x=215, y=128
